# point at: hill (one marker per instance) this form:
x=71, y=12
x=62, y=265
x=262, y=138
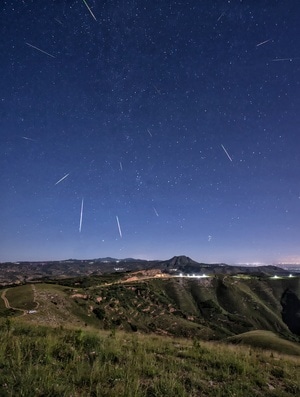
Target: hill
x=45, y=361
x=150, y=333
x=266, y=340
x=151, y=301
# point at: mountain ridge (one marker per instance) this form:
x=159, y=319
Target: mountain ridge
x=19, y=272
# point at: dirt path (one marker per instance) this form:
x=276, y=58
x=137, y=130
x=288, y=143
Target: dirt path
x=7, y=305
x=34, y=296
x=3, y=296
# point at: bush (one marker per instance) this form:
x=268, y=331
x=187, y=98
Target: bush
x=100, y=313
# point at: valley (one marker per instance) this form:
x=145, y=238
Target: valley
x=149, y=301
x=152, y=332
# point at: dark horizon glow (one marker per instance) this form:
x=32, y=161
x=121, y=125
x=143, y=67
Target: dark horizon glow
x=176, y=123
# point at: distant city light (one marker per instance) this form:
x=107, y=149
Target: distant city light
x=193, y=275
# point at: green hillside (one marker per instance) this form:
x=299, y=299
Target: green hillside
x=209, y=308
x=266, y=340
x=144, y=335
x=43, y=361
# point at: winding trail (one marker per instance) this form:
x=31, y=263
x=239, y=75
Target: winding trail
x=24, y=312
x=3, y=296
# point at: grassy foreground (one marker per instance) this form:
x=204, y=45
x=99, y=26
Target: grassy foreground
x=41, y=361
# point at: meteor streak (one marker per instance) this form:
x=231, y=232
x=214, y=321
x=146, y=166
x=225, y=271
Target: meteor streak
x=223, y=13
x=156, y=213
x=61, y=179
x=119, y=227
x=36, y=48
x=226, y=153
x=156, y=89
x=90, y=11
x=282, y=59
x=81, y=212
x=58, y=21
x=263, y=42
x=28, y=139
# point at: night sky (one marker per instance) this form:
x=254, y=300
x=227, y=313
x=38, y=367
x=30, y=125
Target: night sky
x=150, y=129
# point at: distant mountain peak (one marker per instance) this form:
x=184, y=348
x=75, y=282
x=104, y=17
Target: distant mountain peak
x=181, y=260
x=106, y=259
